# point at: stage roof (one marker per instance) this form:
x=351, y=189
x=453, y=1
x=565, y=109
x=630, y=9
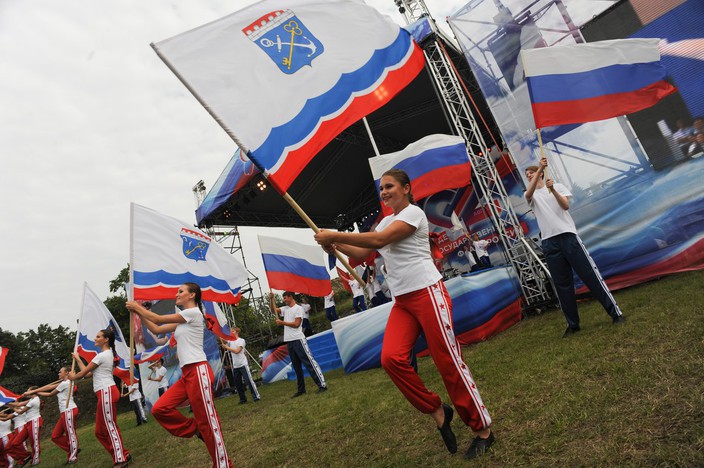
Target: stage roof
x=336, y=189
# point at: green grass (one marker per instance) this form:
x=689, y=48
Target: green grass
x=629, y=395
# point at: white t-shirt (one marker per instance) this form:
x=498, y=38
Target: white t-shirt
x=552, y=219
x=161, y=372
x=356, y=288
x=20, y=420
x=136, y=395
x=5, y=427
x=306, y=310
x=480, y=247
x=62, y=388
x=409, y=266
x=290, y=314
x=189, y=336
x=238, y=359
x=102, y=375
x=330, y=300
x=33, y=412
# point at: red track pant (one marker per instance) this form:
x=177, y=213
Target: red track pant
x=18, y=451
x=430, y=310
x=64, y=434
x=106, y=430
x=31, y=432
x=5, y=458
x=196, y=386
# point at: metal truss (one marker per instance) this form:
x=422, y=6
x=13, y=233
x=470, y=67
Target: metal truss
x=532, y=273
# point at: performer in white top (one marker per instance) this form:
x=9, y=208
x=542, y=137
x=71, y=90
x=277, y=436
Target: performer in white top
x=6, y=440
x=330, y=311
x=196, y=382
x=358, y=301
x=482, y=248
x=240, y=366
x=135, y=396
x=31, y=429
x=159, y=372
x=421, y=304
x=64, y=433
x=101, y=367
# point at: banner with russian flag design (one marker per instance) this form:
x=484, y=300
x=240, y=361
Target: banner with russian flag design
x=156, y=352
x=433, y=163
x=291, y=266
x=596, y=81
x=166, y=252
x=286, y=77
x=3, y=355
x=6, y=396
x=94, y=318
x=217, y=322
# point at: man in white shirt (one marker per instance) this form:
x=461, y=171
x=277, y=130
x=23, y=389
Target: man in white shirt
x=481, y=247
x=298, y=349
x=135, y=396
x=563, y=249
x=158, y=374
x=358, y=301
x=307, y=327
x=330, y=311
x=240, y=366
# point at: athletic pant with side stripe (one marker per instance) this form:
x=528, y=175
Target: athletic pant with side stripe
x=64, y=434
x=31, y=432
x=106, y=430
x=5, y=444
x=564, y=253
x=196, y=386
x=430, y=310
x=19, y=451
x=243, y=376
x=299, y=352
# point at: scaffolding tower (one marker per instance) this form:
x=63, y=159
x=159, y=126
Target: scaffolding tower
x=531, y=271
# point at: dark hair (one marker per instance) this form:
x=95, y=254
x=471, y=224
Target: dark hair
x=194, y=288
x=161, y=361
x=402, y=178
x=110, y=335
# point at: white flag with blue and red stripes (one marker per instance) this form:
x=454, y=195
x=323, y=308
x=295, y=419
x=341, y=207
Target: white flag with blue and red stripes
x=433, y=164
x=588, y=82
x=94, y=318
x=291, y=266
x=6, y=396
x=286, y=77
x=167, y=252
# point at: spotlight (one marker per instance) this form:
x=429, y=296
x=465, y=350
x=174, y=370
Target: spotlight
x=261, y=185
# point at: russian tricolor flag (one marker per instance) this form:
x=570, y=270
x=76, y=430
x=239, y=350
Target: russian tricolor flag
x=433, y=163
x=6, y=396
x=291, y=266
x=3, y=355
x=588, y=82
x=152, y=354
x=217, y=322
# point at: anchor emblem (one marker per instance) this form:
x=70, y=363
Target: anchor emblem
x=285, y=39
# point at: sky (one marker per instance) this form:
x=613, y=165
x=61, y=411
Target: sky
x=92, y=120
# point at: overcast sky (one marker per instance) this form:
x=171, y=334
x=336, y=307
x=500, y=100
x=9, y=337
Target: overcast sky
x=90, y=121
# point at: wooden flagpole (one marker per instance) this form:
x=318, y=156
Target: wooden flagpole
x=245, y=150
x=129, y=291
x=542, y=155
x=75, y=345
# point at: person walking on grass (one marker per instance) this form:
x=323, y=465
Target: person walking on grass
x=240, y=366
x=295, y=340
x=64, y=433
x=421, y=304
x=135, y=397
x=101, y=367
x=563, y=249
x=196, y=381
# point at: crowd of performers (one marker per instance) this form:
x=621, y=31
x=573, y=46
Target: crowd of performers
x=421, y=305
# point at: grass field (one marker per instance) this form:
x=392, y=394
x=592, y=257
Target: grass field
x=629, y=395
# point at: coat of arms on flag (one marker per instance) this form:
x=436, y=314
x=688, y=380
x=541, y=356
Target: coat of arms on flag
x=285, y=39
x=195, y=244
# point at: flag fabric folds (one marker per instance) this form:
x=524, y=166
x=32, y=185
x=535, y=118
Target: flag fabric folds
x=238, y=172
x=291, y=266
x=6, y=396
x=95, y=317
x=433, y=164
x=155, y=353
x=286, y=77
x=167, y=252
x=345, y=279
x=3, y=355
x=588, y=82
x=217, y=322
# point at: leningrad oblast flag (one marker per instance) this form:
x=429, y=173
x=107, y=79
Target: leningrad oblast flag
x=3, y=355
x=588, y=82
x=217, y=322
x=95, y=317
x=166, y=252
x=236, y=174
x=286, y=77
x=291, y=266
x=6, y=396
x=433, y=163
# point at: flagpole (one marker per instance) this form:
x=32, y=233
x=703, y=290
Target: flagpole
x=245, y=150
x=75, y=345
x=542, y=155
x=129, y=291
x=371, y=136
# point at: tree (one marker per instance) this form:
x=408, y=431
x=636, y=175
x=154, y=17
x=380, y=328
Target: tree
x=116, y=303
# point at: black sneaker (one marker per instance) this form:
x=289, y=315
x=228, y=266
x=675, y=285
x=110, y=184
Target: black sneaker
x=619, y=320
x=322, y=389
x=297, y=394
x=242, y=402
x=479, y=446
x=446, y=431
x=570, y=331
